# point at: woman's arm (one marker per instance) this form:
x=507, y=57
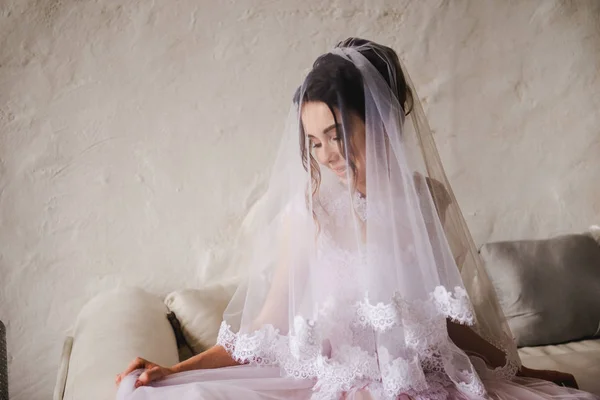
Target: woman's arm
x=471, y=343
x=215, y=357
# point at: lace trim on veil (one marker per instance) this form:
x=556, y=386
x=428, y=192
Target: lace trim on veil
x=300, y=355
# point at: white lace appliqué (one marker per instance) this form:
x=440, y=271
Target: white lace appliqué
x=382, y=317
x=360, y=206
x=410, y=355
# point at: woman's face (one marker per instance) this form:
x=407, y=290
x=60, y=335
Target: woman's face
x=323, y=135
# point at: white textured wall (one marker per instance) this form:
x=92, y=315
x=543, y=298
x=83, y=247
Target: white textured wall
x=132, y=133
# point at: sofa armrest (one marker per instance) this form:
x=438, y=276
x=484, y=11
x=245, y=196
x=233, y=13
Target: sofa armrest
x=111, y=330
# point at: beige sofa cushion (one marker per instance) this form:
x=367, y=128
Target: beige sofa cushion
x=111, y=330
x=581, y=359
x=200, y=313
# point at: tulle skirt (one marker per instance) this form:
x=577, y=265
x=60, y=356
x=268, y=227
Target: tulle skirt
x=265, y=383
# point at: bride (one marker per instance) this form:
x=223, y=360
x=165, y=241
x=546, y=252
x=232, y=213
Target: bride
x=362, y=279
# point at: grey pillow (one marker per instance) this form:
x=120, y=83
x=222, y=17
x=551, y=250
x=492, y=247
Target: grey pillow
x=548, y=289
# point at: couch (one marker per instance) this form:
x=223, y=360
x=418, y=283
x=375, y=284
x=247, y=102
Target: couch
x=115, y=327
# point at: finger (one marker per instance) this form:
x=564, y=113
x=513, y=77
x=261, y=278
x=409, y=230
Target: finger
x=149, y=375
x=135, y=364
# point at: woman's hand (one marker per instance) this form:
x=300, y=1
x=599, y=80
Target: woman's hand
x=560, y=378
x=152, y=372
x=215, y=357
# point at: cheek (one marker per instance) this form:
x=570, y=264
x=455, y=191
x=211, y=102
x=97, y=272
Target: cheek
x=319, y=155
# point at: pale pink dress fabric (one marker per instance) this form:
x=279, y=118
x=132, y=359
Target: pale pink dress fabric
x=265, y=383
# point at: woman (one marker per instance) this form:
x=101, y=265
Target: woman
x=353, y=289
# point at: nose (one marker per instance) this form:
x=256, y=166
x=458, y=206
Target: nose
x=331, y=153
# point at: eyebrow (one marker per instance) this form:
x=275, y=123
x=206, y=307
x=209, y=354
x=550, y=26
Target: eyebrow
x=326, y=130
x=330, y=127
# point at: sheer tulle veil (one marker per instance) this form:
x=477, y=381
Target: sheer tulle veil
x=353, y=272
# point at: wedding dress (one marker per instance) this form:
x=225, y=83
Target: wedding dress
x=357, y=262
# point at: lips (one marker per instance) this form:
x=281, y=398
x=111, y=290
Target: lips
x=341, y=171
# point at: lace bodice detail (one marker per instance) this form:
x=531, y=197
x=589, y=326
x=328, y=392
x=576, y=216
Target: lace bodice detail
x=343, y=339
